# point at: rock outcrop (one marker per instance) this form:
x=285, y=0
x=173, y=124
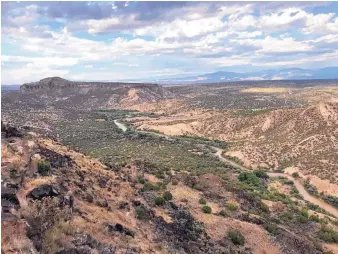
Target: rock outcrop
x=45, y=190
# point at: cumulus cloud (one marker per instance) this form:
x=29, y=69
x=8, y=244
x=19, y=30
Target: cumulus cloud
x=67, y=37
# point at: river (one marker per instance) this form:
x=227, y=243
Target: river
x=298, y=184
x=121, y=125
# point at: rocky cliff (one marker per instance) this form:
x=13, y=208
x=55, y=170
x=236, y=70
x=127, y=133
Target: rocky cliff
x=60, y=83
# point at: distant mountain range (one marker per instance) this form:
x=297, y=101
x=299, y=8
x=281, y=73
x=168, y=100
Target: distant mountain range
x=226, y=76
x=282, y=74
x=5, y=88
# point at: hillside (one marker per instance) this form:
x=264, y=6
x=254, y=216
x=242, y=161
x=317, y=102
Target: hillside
x=58, y=200
x=59, y=96
x=269, y=127
x=138, y=191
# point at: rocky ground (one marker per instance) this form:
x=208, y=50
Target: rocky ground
x=57, y=200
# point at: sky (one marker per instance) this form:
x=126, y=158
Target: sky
x=157, y=40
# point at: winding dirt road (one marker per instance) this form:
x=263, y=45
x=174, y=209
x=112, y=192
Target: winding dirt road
x=298, y=184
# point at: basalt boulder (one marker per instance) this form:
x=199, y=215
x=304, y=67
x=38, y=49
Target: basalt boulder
x=121, y=229
x=45, y=190
x=56, y=160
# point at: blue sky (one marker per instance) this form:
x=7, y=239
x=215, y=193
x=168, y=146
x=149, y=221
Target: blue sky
x=153, y=40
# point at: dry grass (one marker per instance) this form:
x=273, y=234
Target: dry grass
x=4, y=152
x=39, y=181
x=95, y=219
x=57, y=238
x=331, y=90
x=217, y=227
x=265, y=90
x=13, y=238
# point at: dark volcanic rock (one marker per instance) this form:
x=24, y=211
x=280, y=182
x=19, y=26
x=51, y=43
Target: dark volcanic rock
x=187, y=235
x=136, y=203
x=85, y=243
x=10, y=131
x=45, y=190
x=67, y=201
x=133, y=251
x=249, y=202
x=292, y=243
x=77, y=250
x=85, y=239
x=121, y=229
x=252, y=219
x=9, y=201
x=56, y=160
x=124, y=205
x=9, y=194
x=107, y=250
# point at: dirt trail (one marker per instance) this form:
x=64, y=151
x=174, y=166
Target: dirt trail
x=298, y=184
x=219, y=152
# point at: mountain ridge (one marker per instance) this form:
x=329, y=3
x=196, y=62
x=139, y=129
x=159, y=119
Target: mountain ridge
x=269, y=74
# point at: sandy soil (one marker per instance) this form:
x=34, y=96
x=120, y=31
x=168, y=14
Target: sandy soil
x=324, y=186
x=265, y=90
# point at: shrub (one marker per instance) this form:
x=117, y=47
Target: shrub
x=328, y=235
x=271, y=228
x=236, y=237
x=315, y=218
x=302, y=219
x=295, y=174
x=202, y=201
x=141, y=213
x=206, y=209
x=305, y=212
x=44, y=216
x=249, y=178
x=43, y=167
x=261, y=173
x=286, y=216
x=232, y=206
x=198, y=187
x=174, y=182
x=149, y=186
x=167, y=195
x=223, y=213
x=159, y=201
x=289, y=182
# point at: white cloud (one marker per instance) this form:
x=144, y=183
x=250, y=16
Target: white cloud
x=282, y=20
x=274, y=45
x=232, y=35
x=182, y=28
x=29, y=73
x=42, y=61
x=230, y=61
x=98, y=26
x=320, y=23
x=249, y=34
